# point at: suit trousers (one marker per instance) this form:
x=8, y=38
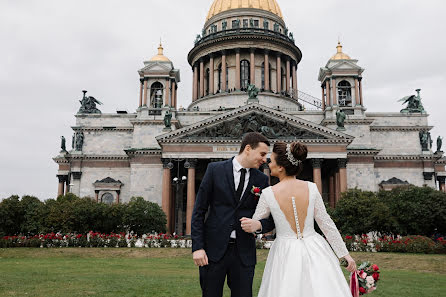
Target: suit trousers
x=239, y=276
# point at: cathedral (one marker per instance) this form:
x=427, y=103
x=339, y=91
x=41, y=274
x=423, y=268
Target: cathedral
x=245, y=78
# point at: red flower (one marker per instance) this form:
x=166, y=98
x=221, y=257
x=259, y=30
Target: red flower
x=362, y=290
x=375, y=276
x=375, y=267
x=348, y=237
x=256, y=191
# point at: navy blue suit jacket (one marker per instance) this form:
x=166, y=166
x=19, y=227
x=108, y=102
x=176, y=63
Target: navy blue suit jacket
x=216, y=197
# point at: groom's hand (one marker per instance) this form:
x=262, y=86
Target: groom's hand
x=200, y=258
x=250, y=225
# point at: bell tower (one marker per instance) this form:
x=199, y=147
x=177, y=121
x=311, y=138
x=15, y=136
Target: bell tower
x=341, y=83
x=158, y=83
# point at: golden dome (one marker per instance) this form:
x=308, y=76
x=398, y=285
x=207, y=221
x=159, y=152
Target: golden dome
x=160, y=57
x=220, y=6
x=340, y=55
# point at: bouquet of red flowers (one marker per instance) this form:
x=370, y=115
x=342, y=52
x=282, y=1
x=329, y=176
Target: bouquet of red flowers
x=364, y=280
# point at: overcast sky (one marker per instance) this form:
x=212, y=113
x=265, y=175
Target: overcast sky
x=52, y=49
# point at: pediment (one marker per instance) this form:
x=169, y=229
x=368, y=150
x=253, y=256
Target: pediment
x=343, y=65
x=275, y=125
x=157, y=67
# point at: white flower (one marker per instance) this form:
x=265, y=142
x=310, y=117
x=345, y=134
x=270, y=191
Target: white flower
x=370, y=281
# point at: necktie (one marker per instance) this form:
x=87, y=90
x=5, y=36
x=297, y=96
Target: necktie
x=241, y=184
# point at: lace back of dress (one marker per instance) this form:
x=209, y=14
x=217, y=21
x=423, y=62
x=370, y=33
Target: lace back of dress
x=296, y=219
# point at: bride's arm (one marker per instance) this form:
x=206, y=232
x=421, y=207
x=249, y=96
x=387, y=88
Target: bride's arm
x=262, y=212
x=328, y=227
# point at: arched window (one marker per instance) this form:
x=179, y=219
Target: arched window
x=107, y=198
x=207, y=81
x=263, y=75
x=245, y=78
x=344, y=93
x=156, y=95
x=220, y=79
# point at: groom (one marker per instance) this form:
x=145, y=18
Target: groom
x=219, y=245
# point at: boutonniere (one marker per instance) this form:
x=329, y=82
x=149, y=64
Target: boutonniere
x=256, y=191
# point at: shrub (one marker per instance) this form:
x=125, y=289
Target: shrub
x=144, y=217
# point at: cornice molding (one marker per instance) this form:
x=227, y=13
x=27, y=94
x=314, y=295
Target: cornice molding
x=405, y=158
x=400, y=128
x=326, y=122
x=104, y=129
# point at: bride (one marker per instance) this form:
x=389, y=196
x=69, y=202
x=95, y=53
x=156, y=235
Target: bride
x=300, y=262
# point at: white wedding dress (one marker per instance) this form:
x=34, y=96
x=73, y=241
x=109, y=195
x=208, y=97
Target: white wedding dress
x=302, y=264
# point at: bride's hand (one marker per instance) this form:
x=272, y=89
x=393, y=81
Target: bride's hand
x=351, y=263
x=250, y=225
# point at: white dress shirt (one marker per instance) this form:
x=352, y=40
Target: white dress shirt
x=236, y=167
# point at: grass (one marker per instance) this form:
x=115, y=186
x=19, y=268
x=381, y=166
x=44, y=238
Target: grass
x=171, y=273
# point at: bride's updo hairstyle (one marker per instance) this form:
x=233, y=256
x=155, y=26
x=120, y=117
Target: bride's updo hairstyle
x=298, y=152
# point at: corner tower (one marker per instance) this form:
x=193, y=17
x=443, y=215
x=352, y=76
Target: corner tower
x=243, y=43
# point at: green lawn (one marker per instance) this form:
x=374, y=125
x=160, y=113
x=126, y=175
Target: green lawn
x=171, y=273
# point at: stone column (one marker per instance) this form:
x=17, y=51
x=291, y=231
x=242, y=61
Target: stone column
x=266, y=70
x=360, y=92
x=294, y=75
x=145, y=92
x=252, y=63
x=141, y=92
x=174, y=94
x=441, y=183
x=278, y=74
x=332, y=190
x=327, y=91
x=288, y=75
x=191, y=164
x=118, y=194
x=237, y=69
x=356, y=92
x=194, y=84
x=61, y=187
x=342, y=164
x=201, y=78
x=167, y=95
x=96, y=194
x=317, y=177
x=211, y=75
x=323, y=98
x=166, y=190
x=334, y=99
x=337, y=187
x=223, y=70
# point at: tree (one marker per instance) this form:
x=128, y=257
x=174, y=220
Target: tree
x=11, y=215
x=143, y=216
x=32, y=209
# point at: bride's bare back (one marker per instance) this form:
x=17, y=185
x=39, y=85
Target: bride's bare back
x=283, y=193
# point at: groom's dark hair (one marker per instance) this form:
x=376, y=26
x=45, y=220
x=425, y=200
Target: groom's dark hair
x=253, y=139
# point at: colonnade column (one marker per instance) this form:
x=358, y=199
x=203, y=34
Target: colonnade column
x=327, y=91
x=201, y=78
x=118, y=194
x=194, y=84
x=223, y=69
x=294, y=75
x=333, y=89
x=166, y=192
x=360, y=92
x=61, y=187
x=167, y=95
x=174, y=94
x=145, y=92
x=266, y=71
x=323, y=97
x=237, y=69
x=141, y=92
x=211, y=75
x=278, y=74
x=288, y=76
x=357, y=100
x=317, y=176
x=337, y=187
x=253, y=67
x=191, y=164
x=342, y=164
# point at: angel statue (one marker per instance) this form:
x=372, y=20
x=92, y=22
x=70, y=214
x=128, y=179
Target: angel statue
x=88, y=104
x=414, y=104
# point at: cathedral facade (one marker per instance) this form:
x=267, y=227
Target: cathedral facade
x=245, y=78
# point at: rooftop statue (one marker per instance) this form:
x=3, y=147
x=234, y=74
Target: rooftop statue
x=63, y=145
x=88, y=104
x=253, y=92
x=167, y=118
x=414, y=104
x=439, y=143
x=197, y=39
x=340, y=119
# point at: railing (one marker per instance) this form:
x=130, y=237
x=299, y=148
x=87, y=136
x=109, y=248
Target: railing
x=238, y=31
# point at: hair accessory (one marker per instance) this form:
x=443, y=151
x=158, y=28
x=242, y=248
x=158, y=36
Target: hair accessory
x=290, y=156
